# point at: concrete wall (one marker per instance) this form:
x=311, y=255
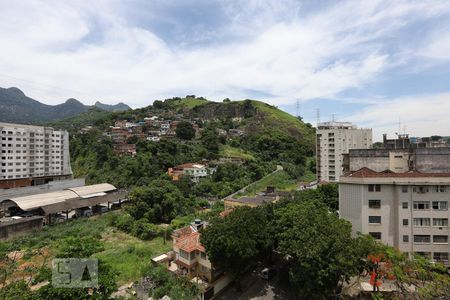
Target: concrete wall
x=350, y=204
x=19, y=227
x=432, y=160
x=379, y=160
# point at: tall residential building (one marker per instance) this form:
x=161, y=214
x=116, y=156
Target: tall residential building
x=332, y=141
x=32, y=155
x=408, y=211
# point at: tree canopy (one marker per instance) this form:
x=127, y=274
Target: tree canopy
x=238, y=240
x=185, y=131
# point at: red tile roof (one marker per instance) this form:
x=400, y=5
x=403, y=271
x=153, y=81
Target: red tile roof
x=188, y=239
x=366, y=172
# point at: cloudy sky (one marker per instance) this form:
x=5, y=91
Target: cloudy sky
x=370, y=62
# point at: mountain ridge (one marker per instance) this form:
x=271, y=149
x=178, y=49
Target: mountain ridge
x=17, y=107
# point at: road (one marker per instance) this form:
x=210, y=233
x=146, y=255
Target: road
x=256, y=288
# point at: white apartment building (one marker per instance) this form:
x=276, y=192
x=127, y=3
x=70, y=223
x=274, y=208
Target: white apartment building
x=333, y=139
x=408, y=211
x=32, y=155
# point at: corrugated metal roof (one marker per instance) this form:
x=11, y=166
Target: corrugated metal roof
x=93, y=189
x=59, y=201
x=39, y=200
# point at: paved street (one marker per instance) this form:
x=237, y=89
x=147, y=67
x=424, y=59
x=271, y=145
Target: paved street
x=254, y=287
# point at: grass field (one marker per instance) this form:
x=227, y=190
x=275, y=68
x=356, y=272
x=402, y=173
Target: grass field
x=127, y=254
x=124, y=253
x=280, y=180
x=190, y=102
x=228, y=151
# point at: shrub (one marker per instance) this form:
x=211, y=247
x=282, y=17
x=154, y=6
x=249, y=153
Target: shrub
x=125, y=222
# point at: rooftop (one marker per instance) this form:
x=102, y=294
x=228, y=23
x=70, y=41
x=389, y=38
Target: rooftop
x=63, y=198
x=190, y=165
x=256, y=200
x=188, y=239
x=369, y=173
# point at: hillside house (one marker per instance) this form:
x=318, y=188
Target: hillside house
x=119, y=135
x=193, y=170
x=125, y=149
x=189, y=259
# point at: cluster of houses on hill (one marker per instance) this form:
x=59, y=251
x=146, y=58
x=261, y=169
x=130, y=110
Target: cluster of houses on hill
x=153, y=129
x=150, y=129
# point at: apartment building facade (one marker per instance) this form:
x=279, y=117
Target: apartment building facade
x=32, y=155
x=333, y=139
x=408, y=211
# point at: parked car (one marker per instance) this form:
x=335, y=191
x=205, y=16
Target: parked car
x=267, y=273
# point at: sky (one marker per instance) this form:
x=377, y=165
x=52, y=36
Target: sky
x=379, y=64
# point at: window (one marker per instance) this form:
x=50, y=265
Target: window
x=404, y=188
x=440, y=239
x=420, y=189
x=440, y=222
x=422, y=239
x=440, y=256
x=422, y=222
x=440, y=188
x=374, y=188
x=405, y=238
x=440, y=205
x=376, y=235
x=184, y=254
x=374, y=203
x=421, y=205
x=203, y=255
x=374, y=220
x=405, y=222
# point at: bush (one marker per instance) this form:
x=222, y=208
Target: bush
x=125, y=222
x=144, y=230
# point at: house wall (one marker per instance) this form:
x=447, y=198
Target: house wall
x=354, y=199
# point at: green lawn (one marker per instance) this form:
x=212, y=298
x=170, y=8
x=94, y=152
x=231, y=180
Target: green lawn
x=229, y=151
x=190, y=102
x=123, y=252
x=280, y=180
x=127, y=254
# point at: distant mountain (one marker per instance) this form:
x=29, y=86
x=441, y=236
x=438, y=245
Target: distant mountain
x=108, y=107
x=16, y=107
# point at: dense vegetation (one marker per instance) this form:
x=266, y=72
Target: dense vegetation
x=322, y=253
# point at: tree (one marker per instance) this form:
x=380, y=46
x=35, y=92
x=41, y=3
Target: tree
x=237, y=241
x=160, y=201
x=185, y=131
x=320, y=246
x=210, y=140
x=78, y=247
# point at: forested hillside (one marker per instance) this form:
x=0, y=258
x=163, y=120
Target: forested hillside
x=269, y=137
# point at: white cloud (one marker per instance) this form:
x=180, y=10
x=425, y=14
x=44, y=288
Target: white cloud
x=420, y=115
x=90, y=51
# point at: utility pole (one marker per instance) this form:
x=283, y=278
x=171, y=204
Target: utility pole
x=317, y=116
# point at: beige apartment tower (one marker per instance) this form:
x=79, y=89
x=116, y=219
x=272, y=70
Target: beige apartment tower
x=32, y=155
x=408, y=211
x=333, y=139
